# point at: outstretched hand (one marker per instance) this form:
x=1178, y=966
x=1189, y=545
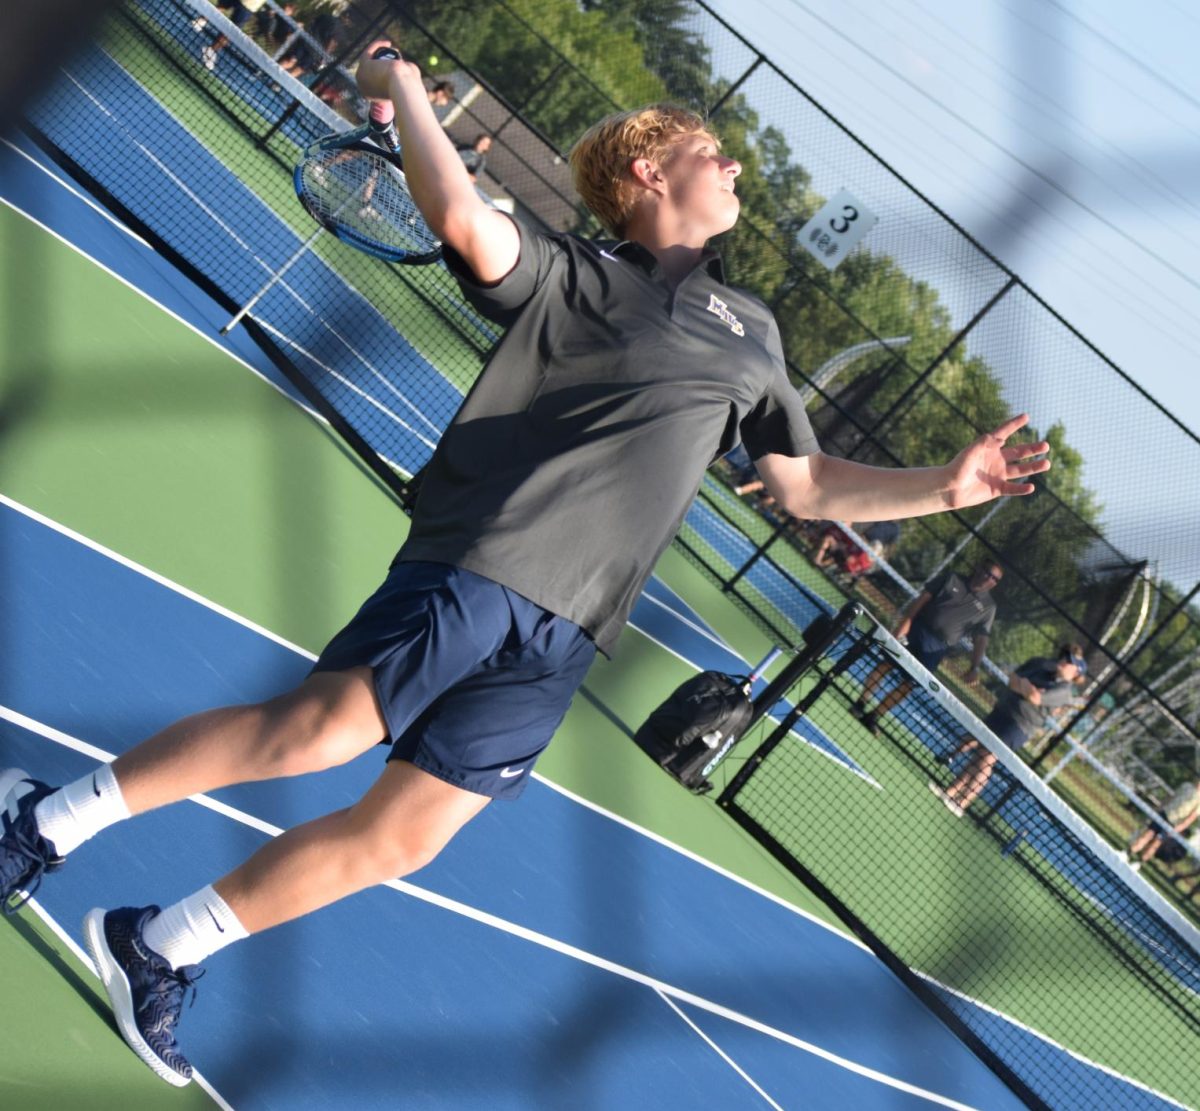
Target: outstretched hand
x=990, y=467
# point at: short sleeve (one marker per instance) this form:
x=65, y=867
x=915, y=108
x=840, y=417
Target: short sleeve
x=778, y=423
x=937, y=584
x=1058, y=694
x=502, y=301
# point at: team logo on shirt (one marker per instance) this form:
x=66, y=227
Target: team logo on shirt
x=718, y=308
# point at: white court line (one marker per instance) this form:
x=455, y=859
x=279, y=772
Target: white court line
x=516, y=930
x=717, y=1049
x=76, y=193
x=153, y=576
x=86, y=961
x=1045, y=1038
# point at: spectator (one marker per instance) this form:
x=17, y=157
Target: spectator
x=947, y=609
x=1037, y=686
x=837, y=547
x=277, y=26
x=240, y=12
x=441, y=93
x=309, y=52
x=1178, y=814
x=475, y=156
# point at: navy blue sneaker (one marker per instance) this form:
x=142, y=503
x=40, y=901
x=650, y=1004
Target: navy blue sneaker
x=146, y=993
x=24, y=853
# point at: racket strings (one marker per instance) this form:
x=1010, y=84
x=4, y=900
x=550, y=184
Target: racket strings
x=362, y=196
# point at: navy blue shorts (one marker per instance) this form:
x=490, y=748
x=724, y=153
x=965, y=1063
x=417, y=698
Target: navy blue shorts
x=1009, y=731
x=927, y=646
x=473, y=678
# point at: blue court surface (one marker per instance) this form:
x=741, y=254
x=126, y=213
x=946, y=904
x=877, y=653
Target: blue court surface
x=551, y=957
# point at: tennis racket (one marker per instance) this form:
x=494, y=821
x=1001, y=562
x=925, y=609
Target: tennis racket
x=352, y=184
x=354, y=187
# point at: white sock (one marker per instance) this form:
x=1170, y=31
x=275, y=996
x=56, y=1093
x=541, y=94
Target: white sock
x=80, y=810
x=193, y=928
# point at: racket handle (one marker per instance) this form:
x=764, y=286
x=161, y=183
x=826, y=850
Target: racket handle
x=387, y=52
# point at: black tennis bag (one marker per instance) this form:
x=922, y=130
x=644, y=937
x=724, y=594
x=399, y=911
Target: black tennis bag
x=694, y=728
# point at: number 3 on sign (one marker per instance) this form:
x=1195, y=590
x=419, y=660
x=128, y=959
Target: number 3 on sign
x=840, y=225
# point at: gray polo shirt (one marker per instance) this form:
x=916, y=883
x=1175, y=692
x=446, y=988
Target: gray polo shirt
x=955, y=610
x=574, y=458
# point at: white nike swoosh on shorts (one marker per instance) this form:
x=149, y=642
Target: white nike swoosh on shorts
x=511, y=773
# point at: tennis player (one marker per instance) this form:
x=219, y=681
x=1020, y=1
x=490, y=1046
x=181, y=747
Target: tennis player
x=628, y=365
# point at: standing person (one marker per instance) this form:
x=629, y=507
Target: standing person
x=1036, y=687
x=1176, y=817
x=240, y=12
x=948, y=608
x=474, y=155
x=561, y=480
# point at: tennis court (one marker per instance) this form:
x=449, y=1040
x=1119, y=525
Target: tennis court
x=605, y=966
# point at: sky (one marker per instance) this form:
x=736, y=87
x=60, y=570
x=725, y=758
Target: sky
x=1064, y=135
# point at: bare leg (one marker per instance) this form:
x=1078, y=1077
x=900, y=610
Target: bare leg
x=965, y=789
x=1150, y=850
x=873, y=680
x=329, y=719
x=894, y=697
x=397, y=827
x=1143, y=839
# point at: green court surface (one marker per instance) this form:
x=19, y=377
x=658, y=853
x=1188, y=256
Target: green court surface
x=939, y=892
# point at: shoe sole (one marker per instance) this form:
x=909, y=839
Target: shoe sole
x=120, y=995
x=9, y=778
x=947, y=801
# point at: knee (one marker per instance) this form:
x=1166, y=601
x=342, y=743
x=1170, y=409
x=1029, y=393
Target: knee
x=392, y=853
x=306, y=732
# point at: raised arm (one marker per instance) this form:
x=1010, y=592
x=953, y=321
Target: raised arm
x=904, y=626
x=825, y=487
x=487, y=239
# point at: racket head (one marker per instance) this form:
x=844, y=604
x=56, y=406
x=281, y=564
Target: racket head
x=358, y=192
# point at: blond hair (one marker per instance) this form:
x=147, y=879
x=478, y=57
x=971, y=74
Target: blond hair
x=600, y=160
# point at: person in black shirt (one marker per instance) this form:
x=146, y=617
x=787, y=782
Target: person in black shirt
x=948, y=609
x=627, y=366
x=1039, y=686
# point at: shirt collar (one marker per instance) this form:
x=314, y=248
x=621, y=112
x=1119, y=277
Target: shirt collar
x=642, y=257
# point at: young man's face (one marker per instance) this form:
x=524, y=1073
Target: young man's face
x=700, y=180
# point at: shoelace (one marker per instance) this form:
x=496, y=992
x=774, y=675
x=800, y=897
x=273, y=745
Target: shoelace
x=171, y=988
x=27, y=849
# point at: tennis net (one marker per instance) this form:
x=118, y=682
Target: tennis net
x=1023, y=928
x=189, y=130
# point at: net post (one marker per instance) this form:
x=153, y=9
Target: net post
x=819, y=637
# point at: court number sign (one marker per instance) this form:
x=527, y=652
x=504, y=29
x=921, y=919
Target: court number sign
x=841, y=224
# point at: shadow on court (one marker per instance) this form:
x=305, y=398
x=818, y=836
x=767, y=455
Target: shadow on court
x=88, y=991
